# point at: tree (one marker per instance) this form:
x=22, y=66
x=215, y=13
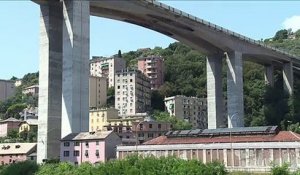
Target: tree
x=15, y=109
x=13, y=134
x=281, y=35
x=177, y=124
x=119, y=54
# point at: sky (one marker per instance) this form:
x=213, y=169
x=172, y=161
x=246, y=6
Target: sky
x=19, y=29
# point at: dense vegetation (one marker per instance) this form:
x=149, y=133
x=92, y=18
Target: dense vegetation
x=130, y=166
x=133, y=165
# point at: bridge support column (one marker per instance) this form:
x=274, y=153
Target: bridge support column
x=269, y=75
x=288, y=78
x=214, y=91
x=50, y=81
x=235, y=99
x=75, y=90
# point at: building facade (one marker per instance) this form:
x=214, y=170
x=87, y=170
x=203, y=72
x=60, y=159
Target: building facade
x=28, y=125
x=93, y=147
x=31, y=90
x=97, y=91
x=17, y=152
x=147, y=130
x=106, y=67
x=99, y=118
x=7, y=89
x=240, y=149
x=191, y=109
x=153, y=68
x=132, y=92
x=8, y=125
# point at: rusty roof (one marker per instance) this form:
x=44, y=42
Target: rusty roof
x=282, y=136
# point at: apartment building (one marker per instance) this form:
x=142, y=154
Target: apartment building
x=147, y=130
x=92, y=147
x=153, y=67
x=106, y=67
x=17, y=152
x=132, y=92
x=191, y=109
x=7, y=89
x=100, y=117
x=97, y=91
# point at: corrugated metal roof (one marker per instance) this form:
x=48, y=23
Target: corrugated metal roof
x=87, y=135
x=11, y=119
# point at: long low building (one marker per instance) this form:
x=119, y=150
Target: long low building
x=245, y=149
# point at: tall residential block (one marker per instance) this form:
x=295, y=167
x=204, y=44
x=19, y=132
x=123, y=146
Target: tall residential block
x=132, y=92
x=106, y=67
x=7, y=89
x=97, y=91
x=191, y=109
x=153, y=68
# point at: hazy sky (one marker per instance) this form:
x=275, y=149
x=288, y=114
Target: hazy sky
x=19, y=29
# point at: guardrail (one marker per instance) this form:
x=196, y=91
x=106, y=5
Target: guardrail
x=219, y=28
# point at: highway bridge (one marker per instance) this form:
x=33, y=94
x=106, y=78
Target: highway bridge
x=64, y=61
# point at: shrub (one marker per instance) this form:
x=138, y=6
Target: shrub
x=280, y=170
x=20, y=168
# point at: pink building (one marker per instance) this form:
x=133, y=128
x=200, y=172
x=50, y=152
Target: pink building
x=153, y=68
x=90, y=147
x=8, y=125
x=17, y=152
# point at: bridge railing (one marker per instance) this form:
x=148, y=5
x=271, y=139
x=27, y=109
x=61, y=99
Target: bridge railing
x=219, y=28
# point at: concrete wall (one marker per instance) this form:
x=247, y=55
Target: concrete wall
x=97, y=92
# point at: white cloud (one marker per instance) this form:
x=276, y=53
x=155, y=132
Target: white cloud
x=292, y=23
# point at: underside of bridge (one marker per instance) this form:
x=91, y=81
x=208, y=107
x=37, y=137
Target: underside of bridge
x=64, y=61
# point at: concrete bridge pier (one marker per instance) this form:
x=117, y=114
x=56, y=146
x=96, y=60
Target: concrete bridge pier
x=214, y=91
x=288, y=77
x=235, y=98
x=75, y=90
x=269, y=75
x=50, y=78
x=64, y=71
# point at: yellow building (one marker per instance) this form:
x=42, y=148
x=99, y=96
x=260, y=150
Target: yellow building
x=28, y=125
x=99, y=117
x=106, y=118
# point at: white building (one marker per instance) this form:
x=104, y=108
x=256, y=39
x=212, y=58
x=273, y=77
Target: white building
x=191, y=109
x=97, y=91
x=132, y=92
x=106, y=67
x=7, y=89
x=31, y=90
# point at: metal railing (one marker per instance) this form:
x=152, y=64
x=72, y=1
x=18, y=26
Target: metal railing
x=219, y=28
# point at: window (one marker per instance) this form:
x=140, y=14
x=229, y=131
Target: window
x=130, y=80
x=97, y=142
x=66, y=153
x=66, y=144
x=76, y=143
x=118, y=87
x=159, y=126
x=76, y=163
x=87, y=144
x=150, y=135
x=86, y=153
x=97, y=153
x=150, y=125
x=76, y=153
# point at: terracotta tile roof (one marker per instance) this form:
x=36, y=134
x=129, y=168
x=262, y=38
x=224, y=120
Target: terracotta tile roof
x=282, y=136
